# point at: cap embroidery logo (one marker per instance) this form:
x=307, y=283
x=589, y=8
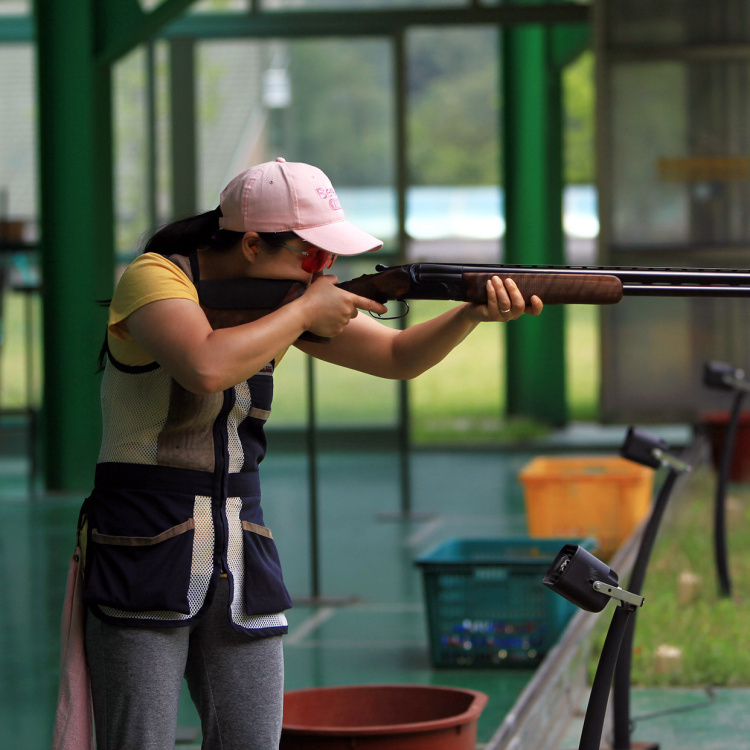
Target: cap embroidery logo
x=329, y=194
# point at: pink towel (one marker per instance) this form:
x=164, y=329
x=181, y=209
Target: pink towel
x=74, y=722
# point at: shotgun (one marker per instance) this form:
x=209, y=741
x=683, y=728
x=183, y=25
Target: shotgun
x=555, y=285
x=236, y=301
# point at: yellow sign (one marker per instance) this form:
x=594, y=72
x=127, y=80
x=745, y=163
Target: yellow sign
x=705, y=169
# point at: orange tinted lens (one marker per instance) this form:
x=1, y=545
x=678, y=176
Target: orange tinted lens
x=316, y=260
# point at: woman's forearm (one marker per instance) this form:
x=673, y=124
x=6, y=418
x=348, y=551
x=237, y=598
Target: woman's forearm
x=371, y=347
x=418, y=348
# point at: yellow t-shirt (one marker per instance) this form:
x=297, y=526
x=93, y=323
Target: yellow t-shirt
x=150, y=277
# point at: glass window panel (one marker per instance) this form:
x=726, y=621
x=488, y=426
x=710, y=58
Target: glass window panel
x=18, y=204
x=681, y=134
x=18, y=162
x=15, y=7
x=149, y=5
x=341, y=118
x=648, y=123
x=131, y=151
x=454, y=213
x=336, y=113
x=338, y=117
x=135, y=215
x=220, y=6
x=163, y=134
x=463, y=397
x=453, y=144
x=232, y=122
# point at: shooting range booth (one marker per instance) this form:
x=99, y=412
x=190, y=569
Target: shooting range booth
x=84, y=59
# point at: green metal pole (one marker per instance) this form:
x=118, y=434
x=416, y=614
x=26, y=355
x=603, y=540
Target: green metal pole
x=400, y=75
x=77, y=219
x=183, y=130
x=533, y=183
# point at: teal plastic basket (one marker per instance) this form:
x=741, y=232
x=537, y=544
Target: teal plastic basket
x=486, y=604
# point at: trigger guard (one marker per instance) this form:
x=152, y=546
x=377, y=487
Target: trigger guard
x=393, y=317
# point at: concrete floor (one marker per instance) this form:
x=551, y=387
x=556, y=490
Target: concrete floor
x=367, y=624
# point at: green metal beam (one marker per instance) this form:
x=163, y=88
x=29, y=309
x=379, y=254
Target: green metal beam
x=368, y=22
x=533, y=183
x=122, y=25
x=75, y=141
x=568, y=42
x=76, y=43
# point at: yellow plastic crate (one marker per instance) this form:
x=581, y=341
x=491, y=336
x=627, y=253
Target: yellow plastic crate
x=604, y=497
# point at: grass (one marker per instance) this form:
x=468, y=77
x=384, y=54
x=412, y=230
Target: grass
x=462, y=399
x=13, y=370
x=710, y=631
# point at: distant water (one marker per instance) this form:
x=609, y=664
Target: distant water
x=477, y=213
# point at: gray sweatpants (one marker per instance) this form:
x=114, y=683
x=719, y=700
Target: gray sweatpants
x=236, y=683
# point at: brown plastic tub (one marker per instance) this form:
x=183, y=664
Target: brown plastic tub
x=381, y=717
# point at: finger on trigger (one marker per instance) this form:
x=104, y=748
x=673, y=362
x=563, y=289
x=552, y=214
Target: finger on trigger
x=371, y=305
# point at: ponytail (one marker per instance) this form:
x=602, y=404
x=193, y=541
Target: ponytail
x=183, y=236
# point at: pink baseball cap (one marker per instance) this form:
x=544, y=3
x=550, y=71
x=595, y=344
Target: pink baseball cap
x=282, y=196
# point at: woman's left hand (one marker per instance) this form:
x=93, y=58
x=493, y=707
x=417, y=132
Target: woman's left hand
x=504, y=302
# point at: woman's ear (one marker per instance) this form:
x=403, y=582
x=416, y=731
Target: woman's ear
x=250, y=246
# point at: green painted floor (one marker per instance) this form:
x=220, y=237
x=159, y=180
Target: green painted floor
x=685, y=719
x=368, y=624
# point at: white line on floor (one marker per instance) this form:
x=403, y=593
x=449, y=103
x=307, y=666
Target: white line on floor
x=416, y=539
x=308, y=626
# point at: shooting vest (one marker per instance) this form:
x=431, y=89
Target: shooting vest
x=176, y=502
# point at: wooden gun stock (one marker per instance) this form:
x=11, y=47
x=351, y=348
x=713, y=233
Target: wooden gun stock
x=227, y=302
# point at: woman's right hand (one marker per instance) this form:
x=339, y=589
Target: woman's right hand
x=328, y=309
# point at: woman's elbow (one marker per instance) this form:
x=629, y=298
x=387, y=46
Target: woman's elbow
x=201, y=381
x=413, y=374
x=403, y=372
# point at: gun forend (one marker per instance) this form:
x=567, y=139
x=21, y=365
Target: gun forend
x=552, y=288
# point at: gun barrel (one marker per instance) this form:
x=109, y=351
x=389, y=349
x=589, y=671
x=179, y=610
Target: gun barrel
x=684, y=290
x=636, y=281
